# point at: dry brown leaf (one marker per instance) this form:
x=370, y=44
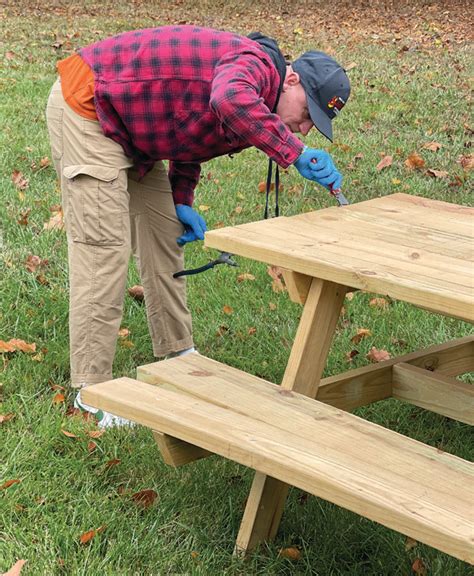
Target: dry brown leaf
x=34, y=262
x=410, y=543
x=23, y=346
x=91, y=446
x=145, y=498
x=112, y=463
x=418, y=567
x=384, y=163
x=238, y=209
x=6, y=347
x=378, y=303
x=245, y=276
x=87, y=536
x=68, y=434
x=414, y=160
x=9, y=483
x=349, y=296
x=433, y=146
x=377, y=355
x=466, y=161
x=15, y=569
x=437, y=173
x=252, y=331
x=58, y=398
x=56, y=222
x=228, y=310
x=351, y=355
x=262, y=187
x=194, y=555
x=277, y=275
x=24, y=214
x=44, y=162
x=137, y=293
x=360, y=335
x=123, y=332
x=292, y=553
x=6, y=417
x=19, y=180
x=95, y=433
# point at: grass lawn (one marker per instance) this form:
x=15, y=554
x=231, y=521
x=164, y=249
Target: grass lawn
x=410, y=69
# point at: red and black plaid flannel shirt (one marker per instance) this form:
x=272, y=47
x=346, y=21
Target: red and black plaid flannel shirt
x=187, y=94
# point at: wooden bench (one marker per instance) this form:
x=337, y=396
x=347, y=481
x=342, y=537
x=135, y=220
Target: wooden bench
x=198, y=406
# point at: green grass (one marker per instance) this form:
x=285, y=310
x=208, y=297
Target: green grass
x=400, y=101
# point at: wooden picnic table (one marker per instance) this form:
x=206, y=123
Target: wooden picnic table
x=406, y=247
x=301, y=433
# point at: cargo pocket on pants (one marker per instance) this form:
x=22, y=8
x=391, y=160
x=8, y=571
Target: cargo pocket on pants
x=96, y=204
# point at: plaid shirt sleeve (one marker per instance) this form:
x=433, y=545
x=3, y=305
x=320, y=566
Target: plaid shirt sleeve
x=183, y=177
x=241, y=84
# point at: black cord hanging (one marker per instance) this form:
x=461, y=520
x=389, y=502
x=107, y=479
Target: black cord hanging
x=269, y=187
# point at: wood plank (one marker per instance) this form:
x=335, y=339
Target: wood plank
x=362, y=386
x=176, y=452
x=297, y=285
x=439, y=394
x=382, y=475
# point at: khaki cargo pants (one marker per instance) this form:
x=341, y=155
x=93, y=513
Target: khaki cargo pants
x=109, y=213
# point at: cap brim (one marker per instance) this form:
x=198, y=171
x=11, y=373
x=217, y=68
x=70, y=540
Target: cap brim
x=319, y=118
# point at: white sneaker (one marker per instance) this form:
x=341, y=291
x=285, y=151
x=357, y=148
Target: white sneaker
x=104, y=419
x=181, y=353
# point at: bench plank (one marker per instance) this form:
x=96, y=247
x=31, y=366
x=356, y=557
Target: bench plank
x=375, y=472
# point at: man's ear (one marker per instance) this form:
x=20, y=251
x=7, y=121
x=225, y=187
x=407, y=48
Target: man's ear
x=292, y=78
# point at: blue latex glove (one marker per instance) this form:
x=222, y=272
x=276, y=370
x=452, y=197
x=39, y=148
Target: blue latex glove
x=317, y=165
x=194, y=224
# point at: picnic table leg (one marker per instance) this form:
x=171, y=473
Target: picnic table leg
x=303, y=373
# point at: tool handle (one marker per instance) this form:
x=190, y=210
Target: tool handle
x=192, y=271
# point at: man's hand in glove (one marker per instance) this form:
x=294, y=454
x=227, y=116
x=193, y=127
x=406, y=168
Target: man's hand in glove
x=194, y=224
x=317, y=165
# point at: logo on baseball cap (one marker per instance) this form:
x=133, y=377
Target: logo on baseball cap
x=326, y=85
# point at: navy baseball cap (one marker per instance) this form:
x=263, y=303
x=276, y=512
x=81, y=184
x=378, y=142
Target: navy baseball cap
x=326, y=85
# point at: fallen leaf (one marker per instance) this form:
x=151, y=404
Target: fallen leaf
x=23, y=346
x=6, y=417
x=112, y=463
x=414, y=160
x=137, y=293
x=56, y=222
x=384, y=163
x=91, y=446
x=272, y=306
x=6, y=347
x=437, y=173
x=34, y=262
x=262, y=187
x=378, y=303
x=349, y=296
x=377, y=355
x=123, y=332
x=396, y=181
x=87, y=536
x=227, y=309
x=58, y=398
x=245, y=276
x=15, y=569
x=252, y=331
x=19, y=180
x=238, y=209
x=292, y=553
x=410, y=543
x=9, y=55
x=9, y=483
x=194, y=555
x=418, y=567
x=276, y=274
x=24, y=215
x=95, y=433
x=145, y=498
x=44, y=162
x=68, y=434
x=203, y=208
x=350, y=66
x=360, y=335
x=433, y=146
x=351, y=355
x=466, y=161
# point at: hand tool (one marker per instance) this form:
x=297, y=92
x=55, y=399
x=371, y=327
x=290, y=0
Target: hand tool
x=339, y=196
x=224, y=258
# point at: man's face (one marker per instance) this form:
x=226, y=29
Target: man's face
x=292, y=107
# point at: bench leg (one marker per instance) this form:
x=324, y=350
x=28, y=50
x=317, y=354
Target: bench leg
x=305, y=367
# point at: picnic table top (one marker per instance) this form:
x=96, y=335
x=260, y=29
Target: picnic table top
x=410, y=248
